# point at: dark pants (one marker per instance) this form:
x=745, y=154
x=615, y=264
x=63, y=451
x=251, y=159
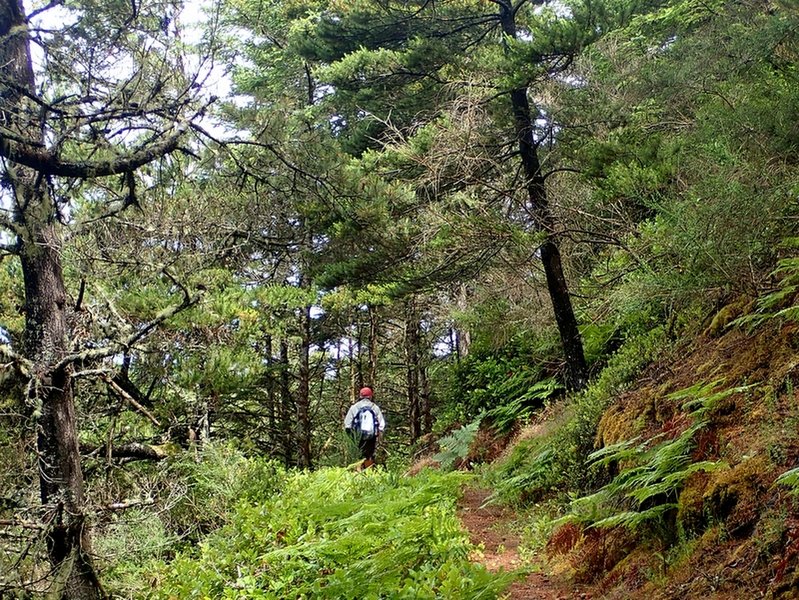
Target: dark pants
x=367, y=446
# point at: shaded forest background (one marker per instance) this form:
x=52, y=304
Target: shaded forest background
x=493, y=212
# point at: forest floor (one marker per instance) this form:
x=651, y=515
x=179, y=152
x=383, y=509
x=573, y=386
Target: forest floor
x=490, y=528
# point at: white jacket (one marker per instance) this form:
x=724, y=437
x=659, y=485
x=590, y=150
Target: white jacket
x=365, y=402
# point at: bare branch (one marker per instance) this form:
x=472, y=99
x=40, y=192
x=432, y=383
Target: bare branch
x=22, y=364
x=5, y=221
x=47, y=163
x=82, y=290
x=131, y=340
x=130, y=400
x=21, y=524
x=125, y=504
x=561, y=170
x=227, y=144
x=132, y=450
x=115, y=207
x=92, y=373
x=39, y=11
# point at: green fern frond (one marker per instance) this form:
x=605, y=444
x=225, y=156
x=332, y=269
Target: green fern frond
x=655, y=469
x=790, y=479
x=633, y=519
x=698, y=390
x=456, y=446
x=772, y=305
x=616, y=452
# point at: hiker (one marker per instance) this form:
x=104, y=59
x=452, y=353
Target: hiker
x=365, y=424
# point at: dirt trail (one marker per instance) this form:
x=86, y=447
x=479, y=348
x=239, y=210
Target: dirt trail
x=487, y=527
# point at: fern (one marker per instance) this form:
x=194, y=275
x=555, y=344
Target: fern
x=633, y=519
x=554, y=463
x=340, y=535
x=790, y=479
x=526, y=399
x=701, y=400
x=646, y=490
x=772, y=305
x=455, y=446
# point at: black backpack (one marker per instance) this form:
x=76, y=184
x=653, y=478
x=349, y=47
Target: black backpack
x=365, y=423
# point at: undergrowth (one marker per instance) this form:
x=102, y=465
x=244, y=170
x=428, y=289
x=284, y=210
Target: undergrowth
x=554, y=463
x=652, y=471
x=455, y=447
x=508, y=382
x=779, y=303
x=334, y=533
x=179, y=503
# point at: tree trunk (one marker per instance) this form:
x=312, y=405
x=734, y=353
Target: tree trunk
x=353, y=371
x=303, y=391
x=45, y=342
x=412, y=372
x=46, y=335
x=359, y=349
x=463, y=336
x=271, y=395
x=373, y=330
x=425, y=350
x=543, y=220
x=425, y=399
x=287, y=428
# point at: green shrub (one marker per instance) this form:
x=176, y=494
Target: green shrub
x=187, y=498
x=489, y=378
x=131, y=538
x=206, y=486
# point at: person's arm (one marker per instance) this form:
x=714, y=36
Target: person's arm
x=381, y=420
x=349, y=418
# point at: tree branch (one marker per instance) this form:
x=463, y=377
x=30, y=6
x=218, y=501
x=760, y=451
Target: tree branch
x=122, y=379
x=5, y=219
x=39, y=11
x=23, y=365
x=125, y=504
x=115, y=207
x=47, y=163
x=22, y=524
x=127, y=343
x=561, y=170
x=132, y=450
x=130, y=400
x=92, y=373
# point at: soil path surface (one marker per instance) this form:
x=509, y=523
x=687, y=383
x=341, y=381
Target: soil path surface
x=488, y=528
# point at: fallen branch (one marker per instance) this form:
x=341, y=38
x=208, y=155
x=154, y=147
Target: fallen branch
x=22, y=524
x=125, y=504
x=132, y=450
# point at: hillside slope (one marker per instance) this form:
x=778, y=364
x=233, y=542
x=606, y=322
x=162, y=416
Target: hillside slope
x=687, y=502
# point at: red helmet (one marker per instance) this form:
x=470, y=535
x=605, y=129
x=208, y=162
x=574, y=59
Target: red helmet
x=365, y=392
